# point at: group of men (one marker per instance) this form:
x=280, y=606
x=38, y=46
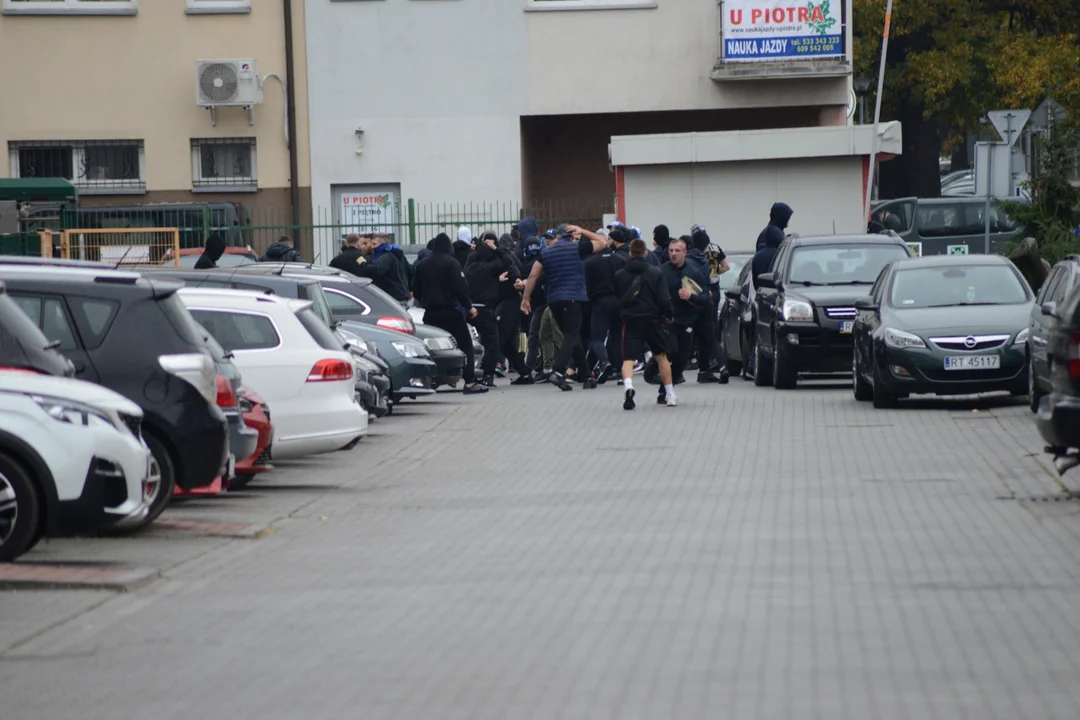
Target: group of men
x=592, y=304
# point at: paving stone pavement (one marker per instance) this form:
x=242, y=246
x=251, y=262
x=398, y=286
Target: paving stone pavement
x=535, y=554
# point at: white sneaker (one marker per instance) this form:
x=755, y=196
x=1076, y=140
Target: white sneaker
x=671, y=401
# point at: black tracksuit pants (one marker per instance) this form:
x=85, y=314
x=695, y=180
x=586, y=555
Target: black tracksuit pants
x=532, y=356
x=453, y=321
x=509, y=322
x=488, y=328
x=567, y=313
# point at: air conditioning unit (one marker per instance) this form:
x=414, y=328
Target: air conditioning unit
x=224, y=83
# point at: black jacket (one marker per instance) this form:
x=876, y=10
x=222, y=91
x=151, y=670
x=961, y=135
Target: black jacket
x=391, y=273
x=539, y=295
x=600, y=272
x=462, y=252
x=348, y=260
x=280, y=252
x=686, y=311
x=770, y=239
x=482, y=274
x=439, y=282
x=653, y=299
x=212, y=252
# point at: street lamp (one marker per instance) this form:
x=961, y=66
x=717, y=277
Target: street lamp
x=862, y=89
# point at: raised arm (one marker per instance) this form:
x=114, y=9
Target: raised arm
x=530, y=284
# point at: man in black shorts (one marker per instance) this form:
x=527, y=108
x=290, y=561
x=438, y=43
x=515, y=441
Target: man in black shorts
x=647, y=311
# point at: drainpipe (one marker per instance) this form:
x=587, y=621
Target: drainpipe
x=290, y=110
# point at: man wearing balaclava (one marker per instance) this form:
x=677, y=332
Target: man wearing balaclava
x=215, y=248
x=661, y=237
x=770, y=239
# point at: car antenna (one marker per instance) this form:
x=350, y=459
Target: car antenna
x=121, y=260
x=314, y=261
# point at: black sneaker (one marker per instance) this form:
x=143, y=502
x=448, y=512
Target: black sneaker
x=606, y=373
x=523, y=380
x=679, y=380
x=628, y=403
x=707, y=377
x=725, y=376
x=488, y=381
x=474, y=389
x=589, y=384
x=661, y=398
x=559, y=381
x=541, y=376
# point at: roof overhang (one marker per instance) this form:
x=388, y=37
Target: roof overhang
x=752, y=145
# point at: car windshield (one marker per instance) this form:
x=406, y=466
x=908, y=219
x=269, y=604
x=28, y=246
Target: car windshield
x=319, y=304
x=226, y=260
x=841, y=264
x=729, y=279
x=957, y=286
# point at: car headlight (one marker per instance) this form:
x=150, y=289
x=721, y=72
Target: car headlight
x=1021, y=337
x=410, y=350
x=899, y=339
x=798, y=311
x=73, y=413
x=439, y=343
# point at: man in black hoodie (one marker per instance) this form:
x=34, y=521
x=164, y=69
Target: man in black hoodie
x=439, y=286
x=531, y=254
x=661, y=238
x=486, y=268
x=351, y=257
x=646, y=311
x=508, y=315
x=212, y=252
x=604, y=328
x=389, y=269
x=689, y=289
x=770, y=239
x=282, y=251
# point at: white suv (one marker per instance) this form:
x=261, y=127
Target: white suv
x=72, y=459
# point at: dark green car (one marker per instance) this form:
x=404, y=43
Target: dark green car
x=942, y=325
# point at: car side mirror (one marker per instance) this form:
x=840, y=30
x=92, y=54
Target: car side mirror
x=732, y=294
x=766, y=280
x=1049, y=309
x=865, y=303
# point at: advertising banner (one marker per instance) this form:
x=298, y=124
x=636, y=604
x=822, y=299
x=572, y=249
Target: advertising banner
x=782, y=30
x=369, y=212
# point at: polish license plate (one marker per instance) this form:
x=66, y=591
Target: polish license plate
x=973, y=362
x=846, y=327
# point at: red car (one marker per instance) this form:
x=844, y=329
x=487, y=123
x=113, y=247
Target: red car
x=257, y=417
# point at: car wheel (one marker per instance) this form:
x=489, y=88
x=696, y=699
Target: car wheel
x=784, y=378
x=20, y=510
x=882, y=399
x=864, y=392
x=159, y=496
x=762, y=367
x=1035, y=396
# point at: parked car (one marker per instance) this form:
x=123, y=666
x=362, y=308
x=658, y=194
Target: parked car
x=804, y=306
x=288, y=356
x=373, y=374
x=256, y=413
x=134, y=336
x=736, y=319
x=1061, y=281
x=943, y=325
x=72, y=460
x=417, y=315
x=737, y=261
x=1058, y=416
x=936, y=224
x=23, y=347
x=412, y=371
x=232, y=257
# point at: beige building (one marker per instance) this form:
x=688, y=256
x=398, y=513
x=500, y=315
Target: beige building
x=106, y=95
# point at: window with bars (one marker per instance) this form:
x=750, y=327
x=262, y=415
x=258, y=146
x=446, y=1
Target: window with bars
x=224, y=164
x=93, y=166
x=71, y=7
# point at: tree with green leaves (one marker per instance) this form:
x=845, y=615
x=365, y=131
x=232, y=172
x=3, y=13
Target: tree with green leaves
x=950, y=61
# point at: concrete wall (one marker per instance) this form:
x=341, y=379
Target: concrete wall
x=132, y=78
x=732, y=199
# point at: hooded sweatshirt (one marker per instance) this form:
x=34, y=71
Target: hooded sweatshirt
x=215, y=248
x=770, y=239
x=439, y=283
x=463, y=246
x=662, y=238
x=280, y=252
x=390, y=271
x=482, y=274
x=652, y=301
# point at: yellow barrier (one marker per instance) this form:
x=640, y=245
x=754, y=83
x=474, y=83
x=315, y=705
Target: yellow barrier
x=122, y=246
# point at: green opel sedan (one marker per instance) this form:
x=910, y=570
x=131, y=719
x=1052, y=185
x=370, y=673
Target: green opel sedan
x=942, y=325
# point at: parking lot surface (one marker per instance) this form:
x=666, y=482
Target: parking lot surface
x=534, y=554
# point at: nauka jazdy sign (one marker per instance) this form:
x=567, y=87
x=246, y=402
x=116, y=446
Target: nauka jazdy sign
x=779, y=30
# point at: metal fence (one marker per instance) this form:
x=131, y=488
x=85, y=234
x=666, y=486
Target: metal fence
x=133, y=246
x=411, y=223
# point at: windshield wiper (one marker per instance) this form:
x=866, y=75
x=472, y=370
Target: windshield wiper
x=962, y=304
x=806, y=283
x=851, y=282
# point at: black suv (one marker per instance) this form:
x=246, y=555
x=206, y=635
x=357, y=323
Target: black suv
x=136, y=337
x=805, y=305
x=1058, y=415
x=21, y=345
x=1058, y=286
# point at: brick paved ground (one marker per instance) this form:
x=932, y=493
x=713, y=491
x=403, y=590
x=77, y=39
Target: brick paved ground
x=532, y=554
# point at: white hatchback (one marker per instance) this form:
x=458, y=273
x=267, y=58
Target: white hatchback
x=72, y=459
x=288, y=355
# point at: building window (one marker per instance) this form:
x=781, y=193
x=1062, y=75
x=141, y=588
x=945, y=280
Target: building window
x=103, y=167
x=71, y=7
x=198, y=7
x=224, y=165
x=588, y=4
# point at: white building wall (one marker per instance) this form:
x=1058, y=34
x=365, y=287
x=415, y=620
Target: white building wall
x=437, y=88
x=732, y=199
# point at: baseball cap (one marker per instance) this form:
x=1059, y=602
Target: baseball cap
x=635, y=231
x=564, y=230
x=551, y=233
x=615, y=223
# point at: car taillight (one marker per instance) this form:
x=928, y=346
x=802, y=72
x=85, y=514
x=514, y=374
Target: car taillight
x=330, y=370
x=400, y=324
x=226, y=398
x=1074, y=356
x=19, y=370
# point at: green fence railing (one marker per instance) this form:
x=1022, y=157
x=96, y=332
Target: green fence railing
x=20, y=244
